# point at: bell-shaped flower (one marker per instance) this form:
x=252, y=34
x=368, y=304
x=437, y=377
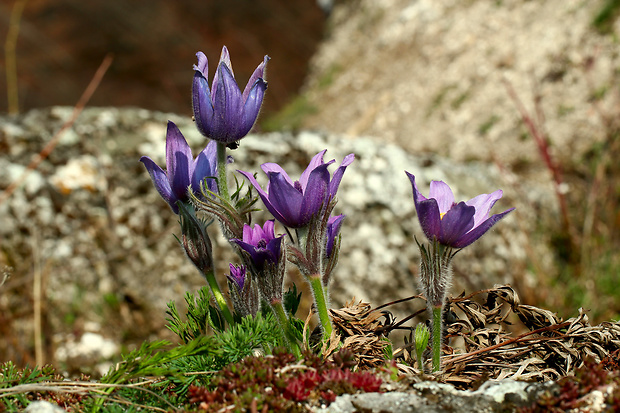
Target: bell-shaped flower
x=451, y=224
x=182, y=170
x=222, y=112
x=261, y=244
x=295, y=203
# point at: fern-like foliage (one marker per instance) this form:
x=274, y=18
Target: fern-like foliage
x=151, y=359
x=197, y=318
x=252, y=333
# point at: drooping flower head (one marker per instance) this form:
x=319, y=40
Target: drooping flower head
x=222, y=112
x=452, y=224
x=195, y=239
x=295, y=203
x=182, y=170
x=261, y=244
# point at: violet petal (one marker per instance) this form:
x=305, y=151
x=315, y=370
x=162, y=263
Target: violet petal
x=480, y=230
x=160, y=180
x=286, y=200
x=443, y=194
x=455, y=223
x=178, y=160
x=483, y=204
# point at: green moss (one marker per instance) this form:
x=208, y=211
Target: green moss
x=486, y=126
x=459, y=100
x=328, y=77
x=564, y=110
x=291, y=116
x=608, y=13
x=599, y=93
x=439, y=99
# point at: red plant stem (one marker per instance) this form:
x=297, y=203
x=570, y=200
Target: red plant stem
x=77, y=109
x=543, y=149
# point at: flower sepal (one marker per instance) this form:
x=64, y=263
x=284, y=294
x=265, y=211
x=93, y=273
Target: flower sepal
x=195, y=238
x=243, y=292
x=232, y=215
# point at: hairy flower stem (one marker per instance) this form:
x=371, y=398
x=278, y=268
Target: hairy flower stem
x=437, y=333
x=435, y=279
x=302, y=236
x=320, y=301
x=219, y=297
x=221, y=171
x=283, y=320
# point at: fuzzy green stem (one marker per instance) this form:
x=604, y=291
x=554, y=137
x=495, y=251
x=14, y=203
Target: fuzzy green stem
x=219, y=297
x=321, y=304
x=221, y=171
x=285, y=324
x=302, y=236
x=437, y=329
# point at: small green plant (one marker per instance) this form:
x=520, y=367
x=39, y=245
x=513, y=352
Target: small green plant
x=421, y=336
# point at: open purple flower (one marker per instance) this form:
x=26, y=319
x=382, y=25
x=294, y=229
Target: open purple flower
x=295, y=203
x=182, y=170
x=222, y=112
x=261, y=244
x=451, y=224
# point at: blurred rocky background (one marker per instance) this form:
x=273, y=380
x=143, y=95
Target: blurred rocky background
x=87, y=245
x=154, y=43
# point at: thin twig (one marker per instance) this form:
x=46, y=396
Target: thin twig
x=76, y=387
x=36, y=298
x=77, y=110
x=543, y=148
x=507, y=342
x=402, y=300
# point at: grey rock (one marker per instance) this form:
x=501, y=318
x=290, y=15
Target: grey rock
x=433, y=397
x=428, y=75
x=43, y=407
x=92, y=215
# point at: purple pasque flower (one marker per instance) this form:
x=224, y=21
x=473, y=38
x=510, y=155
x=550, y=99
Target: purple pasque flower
x=243, y=291
x=237, y=275
x=451, y=224
x=222, y=112
x=333, y=229
x=261, y=244
x=295, y=203
x=182, y=170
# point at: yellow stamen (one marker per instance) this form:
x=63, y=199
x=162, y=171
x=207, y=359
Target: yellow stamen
x=441, y=214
